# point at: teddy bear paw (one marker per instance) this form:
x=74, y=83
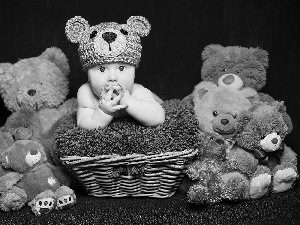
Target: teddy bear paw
x=64, y=202
x=43, y=206
x=65, y=198
x=43, y=203
x=284, y=179
x=259, y=186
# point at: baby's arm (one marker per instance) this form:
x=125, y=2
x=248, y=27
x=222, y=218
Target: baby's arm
x=143, y=107
x=89, y=115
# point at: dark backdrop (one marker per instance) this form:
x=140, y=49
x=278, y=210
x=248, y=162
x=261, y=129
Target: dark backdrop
x=171, y=58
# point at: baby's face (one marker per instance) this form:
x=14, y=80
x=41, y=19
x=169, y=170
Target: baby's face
x=111, y=74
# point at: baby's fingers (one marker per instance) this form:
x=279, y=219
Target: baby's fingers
x=117, y=99
x=118, y=107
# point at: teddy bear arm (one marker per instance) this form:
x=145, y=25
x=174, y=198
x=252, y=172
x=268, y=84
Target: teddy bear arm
x=265, y=97
x=288, y=156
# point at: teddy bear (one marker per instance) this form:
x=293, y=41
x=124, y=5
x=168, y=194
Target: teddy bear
x=25, y=125
x=40, y=83
x=32, y=181
x=214, y=178
x=236, y=67
x=217, y=107
x=261, y=131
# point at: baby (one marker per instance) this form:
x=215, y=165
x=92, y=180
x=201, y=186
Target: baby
x=110, y=53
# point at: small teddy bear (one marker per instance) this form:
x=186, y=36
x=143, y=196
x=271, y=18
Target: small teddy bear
x=32, y=175
x=261, y=131
x=236, y=67
x=40, y=83
x=213, y=177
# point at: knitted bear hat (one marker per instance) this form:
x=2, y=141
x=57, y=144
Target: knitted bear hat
x=108, y=42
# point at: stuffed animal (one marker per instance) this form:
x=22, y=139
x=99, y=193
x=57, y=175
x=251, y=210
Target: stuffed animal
x=216, y=108
x=261, y=131
x=40, y=83
x=25, y=125
x=236, y=67
x=32, y=176
x=213, y=177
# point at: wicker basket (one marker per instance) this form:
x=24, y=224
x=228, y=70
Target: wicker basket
x=157, y=175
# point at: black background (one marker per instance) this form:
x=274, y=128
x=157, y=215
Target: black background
x=171, y=57
x=170, y=66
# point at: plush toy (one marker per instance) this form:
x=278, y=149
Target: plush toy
x=216, y=108
x=213, y=177
x=40, y=83
x=33, y=176
x=25, y=125
x=236, y=67
x=261, y=131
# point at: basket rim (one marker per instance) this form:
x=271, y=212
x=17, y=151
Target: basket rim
x=133, y=157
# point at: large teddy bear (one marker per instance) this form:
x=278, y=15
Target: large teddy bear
x=261, y=131
x=40, y=83
x=236, y=67
x=32, y=180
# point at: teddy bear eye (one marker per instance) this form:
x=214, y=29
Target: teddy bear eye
x=25, y=125
x=93, y=34
x=215, y=113
x=125, y=32
x=224, y=70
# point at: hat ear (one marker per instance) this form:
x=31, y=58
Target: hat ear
x=140, y=25
x=77, y=30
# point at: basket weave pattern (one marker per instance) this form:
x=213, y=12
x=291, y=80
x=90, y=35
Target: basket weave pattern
x=156, y=175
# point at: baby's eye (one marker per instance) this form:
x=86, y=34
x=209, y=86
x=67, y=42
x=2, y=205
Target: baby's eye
x=121, y=68
x=101, y=68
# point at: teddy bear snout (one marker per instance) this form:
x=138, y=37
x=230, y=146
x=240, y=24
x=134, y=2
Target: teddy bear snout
x=231, y=80
x=109, y=37
x=31, y=92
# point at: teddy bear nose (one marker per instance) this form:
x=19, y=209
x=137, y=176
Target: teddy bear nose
x=34, y=152
x=109, y=37
x=228, y=79
x=31, y=92
x=224, y=121
x=274, y=140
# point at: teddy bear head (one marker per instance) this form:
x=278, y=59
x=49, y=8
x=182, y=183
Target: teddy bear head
x=23, y=155
x=263, y=127
x=37, y=82
x=109, y=41
x=216, y=108
x=235, y=66
x=23, y=125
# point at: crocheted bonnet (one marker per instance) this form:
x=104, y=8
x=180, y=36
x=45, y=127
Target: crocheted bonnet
x=108, y=42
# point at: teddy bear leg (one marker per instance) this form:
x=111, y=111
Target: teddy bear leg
x=65, y=198
x=12, y=200
x=198, y=194
x=260, y=182
x=43, y=203
x=236, y=186
x=284, y=177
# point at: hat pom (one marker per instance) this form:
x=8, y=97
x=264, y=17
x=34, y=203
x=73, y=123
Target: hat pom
x=77, y=30
x=140, y=25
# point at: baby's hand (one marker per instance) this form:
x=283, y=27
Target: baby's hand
x=108, y=102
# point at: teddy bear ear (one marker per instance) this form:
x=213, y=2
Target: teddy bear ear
x=140, y=25
x=261, y=55
x=57, y=56
x=210, y=50
x=286, y=118
x=77, y=30
x=250, y=94
x=202, y=88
